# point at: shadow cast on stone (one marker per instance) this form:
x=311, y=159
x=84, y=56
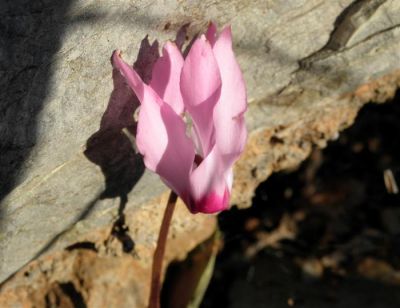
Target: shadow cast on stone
x=120, y=229
x=112, y=147
x=112, y=150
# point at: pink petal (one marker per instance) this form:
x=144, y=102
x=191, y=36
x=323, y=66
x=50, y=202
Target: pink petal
x=131, y=77
x=166, y=77
x=211, y=33
x=212, y=203
x=229, y=179
x=161, y=133
x=210, y=191
x=162, y=140
x=200, y=88
x=230, y=129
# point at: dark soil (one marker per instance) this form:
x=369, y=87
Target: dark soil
x=326, y=235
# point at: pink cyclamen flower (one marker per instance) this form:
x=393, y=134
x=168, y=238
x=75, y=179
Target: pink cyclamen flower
x=206, y=87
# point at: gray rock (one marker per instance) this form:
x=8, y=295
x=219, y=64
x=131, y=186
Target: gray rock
x=309, y=67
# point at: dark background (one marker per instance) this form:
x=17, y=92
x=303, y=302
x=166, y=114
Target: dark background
x=344, y=226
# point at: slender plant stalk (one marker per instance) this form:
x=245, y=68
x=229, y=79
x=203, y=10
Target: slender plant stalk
x=154, y=300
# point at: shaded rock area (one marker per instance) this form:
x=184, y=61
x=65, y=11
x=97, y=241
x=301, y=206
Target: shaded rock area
x=309, y=67
x=326, y=235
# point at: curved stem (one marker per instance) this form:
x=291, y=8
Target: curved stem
x=154, y=300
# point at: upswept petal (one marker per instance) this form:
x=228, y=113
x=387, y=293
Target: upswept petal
x=131, y=77
x=161, y=133
x=233, y=86
x=209, y=185
x=166, y=77
x=230, y=129
x=200, y=88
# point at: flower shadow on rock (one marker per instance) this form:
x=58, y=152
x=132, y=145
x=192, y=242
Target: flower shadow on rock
x=111, y=149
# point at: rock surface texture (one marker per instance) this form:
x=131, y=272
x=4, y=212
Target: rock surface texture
x=309, y=66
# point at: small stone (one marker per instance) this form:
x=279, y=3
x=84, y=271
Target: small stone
x=290, y=302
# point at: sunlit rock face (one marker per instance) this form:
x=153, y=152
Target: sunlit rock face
x=308, y=67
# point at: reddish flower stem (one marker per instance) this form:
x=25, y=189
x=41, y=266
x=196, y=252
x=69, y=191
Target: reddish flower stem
x=154, y=300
